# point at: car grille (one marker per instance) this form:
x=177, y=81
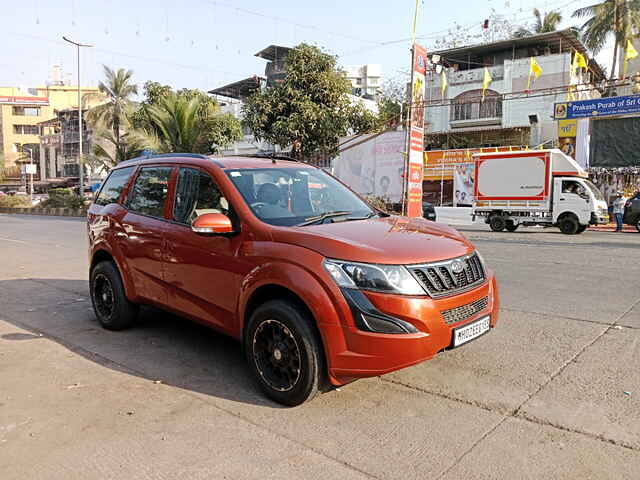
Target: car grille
x=451, y=276
x=465, y=312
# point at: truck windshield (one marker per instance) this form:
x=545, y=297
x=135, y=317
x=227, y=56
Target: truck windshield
x=596, y=191
x=297, y=196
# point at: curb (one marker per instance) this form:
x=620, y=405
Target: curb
x=50, y=212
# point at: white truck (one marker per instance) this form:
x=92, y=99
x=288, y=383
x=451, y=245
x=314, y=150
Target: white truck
x=535, y=187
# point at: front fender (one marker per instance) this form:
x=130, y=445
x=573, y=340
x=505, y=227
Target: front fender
x=308, y=282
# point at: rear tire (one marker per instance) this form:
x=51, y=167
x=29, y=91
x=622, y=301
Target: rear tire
x=511, y=227
x=110, y=304
x=638, y=224
x=581, y=228
x=497, y=223
x=284, y=353
x=569, y=224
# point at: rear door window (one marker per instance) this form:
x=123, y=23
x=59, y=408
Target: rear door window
x=113, y=186
x=149, y=191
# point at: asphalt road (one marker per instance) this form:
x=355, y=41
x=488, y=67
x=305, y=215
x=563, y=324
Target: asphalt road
x=553, y=392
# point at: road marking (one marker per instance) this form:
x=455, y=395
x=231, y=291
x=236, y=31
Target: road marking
x=12, y=240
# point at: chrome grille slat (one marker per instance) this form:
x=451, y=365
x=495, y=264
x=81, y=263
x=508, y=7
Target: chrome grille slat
x=439, y=280
x=465, y=312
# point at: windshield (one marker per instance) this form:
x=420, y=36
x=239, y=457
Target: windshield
x=295, y=196
x=596, y=191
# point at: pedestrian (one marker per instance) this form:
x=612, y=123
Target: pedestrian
x=618, y=209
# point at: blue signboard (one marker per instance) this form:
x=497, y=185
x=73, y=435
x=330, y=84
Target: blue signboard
x=600, y=107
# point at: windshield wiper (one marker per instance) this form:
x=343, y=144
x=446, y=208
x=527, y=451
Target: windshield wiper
x=321, y=218
x=366, y=217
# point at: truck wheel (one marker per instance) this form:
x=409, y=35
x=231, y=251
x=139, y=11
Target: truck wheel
x=582, y=228
x=110, y=304
x=569, y=224
x=510, y=226
x=497, y=223
x=284, y=353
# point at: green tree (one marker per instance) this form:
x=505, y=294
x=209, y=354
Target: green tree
x=188, y=121
x=310, y=109
x=617, y=18
x=118, y=90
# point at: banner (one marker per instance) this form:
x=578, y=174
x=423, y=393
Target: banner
x=597, y=108
x=373, y=164
x=463, y=185
x=416, y=133
x=441, y=164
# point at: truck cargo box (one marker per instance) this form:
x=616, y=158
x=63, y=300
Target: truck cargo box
x=520, y=180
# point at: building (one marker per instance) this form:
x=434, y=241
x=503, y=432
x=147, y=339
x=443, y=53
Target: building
x=23, y=109
x=366, y=80
x=60, y=143
x=516, y=110
x=512, y=111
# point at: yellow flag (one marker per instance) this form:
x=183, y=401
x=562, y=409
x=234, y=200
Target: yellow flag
x=486, y=82
x=570, y=94
x=534, y=69
x=445, y=84
x=579, y=61
x=629, y=54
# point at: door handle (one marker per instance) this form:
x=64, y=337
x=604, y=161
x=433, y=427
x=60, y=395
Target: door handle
x=562, y=199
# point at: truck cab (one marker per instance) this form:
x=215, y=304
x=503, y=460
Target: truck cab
x=579, y=198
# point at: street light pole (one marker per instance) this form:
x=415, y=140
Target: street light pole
x=30, y=173
x=80, y=169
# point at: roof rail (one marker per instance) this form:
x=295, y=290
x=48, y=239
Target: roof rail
x=164, y=155
x=270, y=156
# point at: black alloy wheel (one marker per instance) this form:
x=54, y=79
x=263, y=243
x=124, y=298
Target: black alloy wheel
x=276, y=355
x=284, y=352
x=103, y=296
x=110, y=304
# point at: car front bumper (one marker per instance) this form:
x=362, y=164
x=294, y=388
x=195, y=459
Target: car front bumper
x=368, y=354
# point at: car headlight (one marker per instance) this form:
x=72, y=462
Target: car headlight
x=378, y=278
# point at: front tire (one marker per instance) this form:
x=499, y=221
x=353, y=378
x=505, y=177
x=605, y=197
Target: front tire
x=284, y=353
x=582, y=228
x=569, y=225
x=110, y=304
x=638, y=224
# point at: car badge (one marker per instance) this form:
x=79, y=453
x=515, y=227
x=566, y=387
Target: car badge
x=457, y=266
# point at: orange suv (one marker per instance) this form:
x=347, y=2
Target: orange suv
x=319, y=287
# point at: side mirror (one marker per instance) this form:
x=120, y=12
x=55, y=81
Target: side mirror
x=212, y=223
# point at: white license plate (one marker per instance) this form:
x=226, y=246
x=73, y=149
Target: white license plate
x=469, y=332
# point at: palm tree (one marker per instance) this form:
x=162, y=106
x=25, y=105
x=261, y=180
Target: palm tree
x=548, y=23
x=118, y=90
x=543, y=24
x=610, y=17
x=177, y=126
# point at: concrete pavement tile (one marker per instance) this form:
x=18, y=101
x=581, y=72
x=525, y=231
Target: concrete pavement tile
x=379, y=427
x=632, y=318
x=503, y=368
x=589, y=395
x=525, y=450
x=70, y=418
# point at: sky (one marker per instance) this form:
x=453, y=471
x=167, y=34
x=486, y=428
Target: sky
x=206, y=44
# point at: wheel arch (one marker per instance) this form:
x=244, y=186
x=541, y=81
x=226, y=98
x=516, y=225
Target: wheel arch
x=104, y=255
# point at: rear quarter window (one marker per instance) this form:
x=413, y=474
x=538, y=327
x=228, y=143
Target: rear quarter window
x=113, y=186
